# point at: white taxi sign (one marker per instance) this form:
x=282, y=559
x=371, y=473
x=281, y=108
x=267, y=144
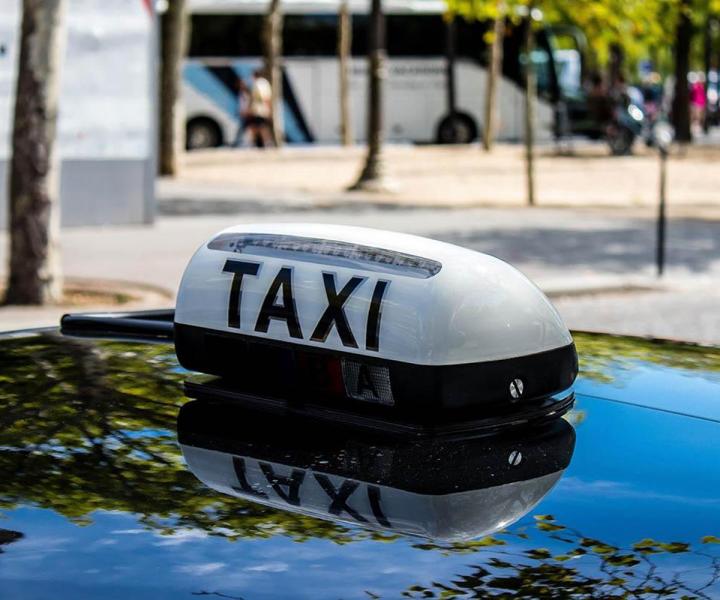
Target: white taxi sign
x=370, y=295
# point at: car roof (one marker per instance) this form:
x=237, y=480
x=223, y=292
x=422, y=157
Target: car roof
x=114, y=484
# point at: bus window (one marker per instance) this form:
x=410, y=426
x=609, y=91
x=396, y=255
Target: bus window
x=225, y=35
x=470, y=40
x=544, y=63
x=310, y=35
x=220, y=35
x=512, y=49
x=568, y=62
x=423, y=36
x=569, y=65
x=359, y=35
x=415, y=35
x=568, y=45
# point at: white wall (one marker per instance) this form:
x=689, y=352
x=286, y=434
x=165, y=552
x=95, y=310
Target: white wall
x=106, y=125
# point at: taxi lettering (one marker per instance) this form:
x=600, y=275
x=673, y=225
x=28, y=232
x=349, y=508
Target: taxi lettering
x=279, y=304
x=289, y=488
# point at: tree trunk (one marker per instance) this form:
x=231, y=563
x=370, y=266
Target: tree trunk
x=344, y=48
x=493, y=74
x=450, y=53
x=273, y=69
x=372, y=176
x=681, y=98
x=171, y=125
x=529, y=111
x=35, y=275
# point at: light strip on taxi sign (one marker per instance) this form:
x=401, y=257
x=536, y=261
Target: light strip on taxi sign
x=319, y=250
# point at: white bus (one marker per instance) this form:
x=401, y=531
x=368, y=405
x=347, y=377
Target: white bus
x=226, y=45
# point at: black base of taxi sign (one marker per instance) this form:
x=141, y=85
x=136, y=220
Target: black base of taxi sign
x=268, y=367
x=460, y=422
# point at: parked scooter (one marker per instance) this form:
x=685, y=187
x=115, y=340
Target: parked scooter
x=618, y=119
x=626, y=124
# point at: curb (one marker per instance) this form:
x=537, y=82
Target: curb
x=142, y=296
x=209, y=204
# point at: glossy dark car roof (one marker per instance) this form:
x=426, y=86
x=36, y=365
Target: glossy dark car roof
x=98, y=501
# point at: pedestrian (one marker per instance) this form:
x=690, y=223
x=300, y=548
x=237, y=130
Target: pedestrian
x=698, y=99
x=243, y=109
x=260, y=111
x=618, y=92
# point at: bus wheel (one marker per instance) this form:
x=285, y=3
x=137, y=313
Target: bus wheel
x=202, y=132
x=456, y=129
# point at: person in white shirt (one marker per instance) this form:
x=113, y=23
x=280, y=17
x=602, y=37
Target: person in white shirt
x=259, y=117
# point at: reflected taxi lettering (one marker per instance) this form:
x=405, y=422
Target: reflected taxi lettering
x=289, y=489
x=279, y=303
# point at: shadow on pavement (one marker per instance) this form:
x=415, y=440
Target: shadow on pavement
x=204, y=207
x=693, y=244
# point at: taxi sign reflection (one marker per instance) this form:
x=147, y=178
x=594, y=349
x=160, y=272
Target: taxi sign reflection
x=445, y=489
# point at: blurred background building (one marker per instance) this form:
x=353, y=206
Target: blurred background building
x=106, y=130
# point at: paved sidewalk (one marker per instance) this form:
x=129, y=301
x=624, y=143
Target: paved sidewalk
x=572, y=254
x=229, y=181
x=106, y=295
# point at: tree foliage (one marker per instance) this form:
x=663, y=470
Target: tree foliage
x=605, y=358
x=642, y=28
x=575, y=566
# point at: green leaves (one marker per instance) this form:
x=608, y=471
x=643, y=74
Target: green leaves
x=474, y=10
x=638, y=27
x=622, y=560
x=538, y=553
x=649, y=546
x=462, y=547
x=675, y=547
x=608, y=571
x=545, y=523
x=543, y=526
x=610, y=358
